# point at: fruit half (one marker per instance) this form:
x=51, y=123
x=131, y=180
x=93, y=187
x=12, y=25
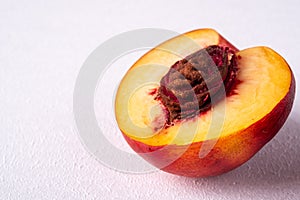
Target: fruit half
x=197, y=106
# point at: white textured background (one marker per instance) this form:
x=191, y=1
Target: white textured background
x=42, y=47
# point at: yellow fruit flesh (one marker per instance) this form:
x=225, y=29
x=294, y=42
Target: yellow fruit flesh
x=140, y=117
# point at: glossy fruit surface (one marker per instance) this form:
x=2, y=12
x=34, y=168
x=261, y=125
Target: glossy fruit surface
x=214, y=141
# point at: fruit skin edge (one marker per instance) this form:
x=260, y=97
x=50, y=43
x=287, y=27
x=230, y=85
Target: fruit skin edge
x=228, y=153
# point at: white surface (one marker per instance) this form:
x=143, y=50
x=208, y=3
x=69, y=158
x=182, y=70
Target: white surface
x=42, y=47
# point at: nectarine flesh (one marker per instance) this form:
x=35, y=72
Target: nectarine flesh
x=165, y=111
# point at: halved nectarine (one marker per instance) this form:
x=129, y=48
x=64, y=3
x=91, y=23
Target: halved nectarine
x=183, y=98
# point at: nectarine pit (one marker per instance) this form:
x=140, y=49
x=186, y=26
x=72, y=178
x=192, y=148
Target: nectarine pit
x=184, y=91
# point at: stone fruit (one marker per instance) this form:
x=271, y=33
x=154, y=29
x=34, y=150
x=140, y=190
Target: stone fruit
x=197, y=106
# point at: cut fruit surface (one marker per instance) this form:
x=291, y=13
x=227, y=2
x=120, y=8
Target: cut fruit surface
x=259, y=90
x=251, y=114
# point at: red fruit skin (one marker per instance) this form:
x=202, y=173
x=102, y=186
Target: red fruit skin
x=228, y=153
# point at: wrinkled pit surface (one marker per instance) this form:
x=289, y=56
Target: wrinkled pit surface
x=184, y=89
